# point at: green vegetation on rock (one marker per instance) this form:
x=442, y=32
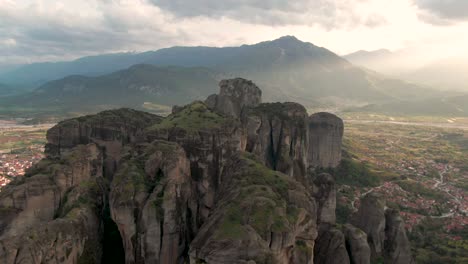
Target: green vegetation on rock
x=355, y=173
x=192, y=118
x=261, y=201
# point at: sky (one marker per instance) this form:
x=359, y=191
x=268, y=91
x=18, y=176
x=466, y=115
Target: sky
x=47, y=30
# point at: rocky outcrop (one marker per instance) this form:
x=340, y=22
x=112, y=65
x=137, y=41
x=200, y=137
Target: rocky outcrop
x=397, y=246
x=228, y=180
x=149, y=200
x=235, y=95
x=331, y=248
x=52, y=213
x=385, y=230
x=356, y=243
x=110, y=130
x=325, y=137
x=324, y=191
x=36, y=197
x=209, y=140
x=262, y=216
x=370, y=218
x=277, y=133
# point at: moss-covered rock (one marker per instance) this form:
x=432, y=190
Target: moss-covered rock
x=258, y=206
x=193, y=118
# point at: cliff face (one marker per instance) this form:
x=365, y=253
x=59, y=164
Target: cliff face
x=261, y=215
x=149, y=200
x=277, y=133
x=385, y=230
x=326, y=133
x=229, y=180
x=52, y=214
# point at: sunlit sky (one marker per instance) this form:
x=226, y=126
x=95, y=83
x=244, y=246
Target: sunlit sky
x=47, y=30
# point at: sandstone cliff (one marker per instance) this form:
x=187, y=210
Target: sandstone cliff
x=228, y=180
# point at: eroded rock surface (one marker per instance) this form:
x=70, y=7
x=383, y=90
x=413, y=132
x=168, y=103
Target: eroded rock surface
x=331, y=247
x=385, y=230
x=262, y=216
x=228, y=180
x=149, y=200
x=325, y=139
x=235, y=95
x=52, y=214
x=397, y=246
x=356, y=241
x=277, y=133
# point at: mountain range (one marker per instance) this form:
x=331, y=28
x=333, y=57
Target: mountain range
x=287, y=69
x=442, y=74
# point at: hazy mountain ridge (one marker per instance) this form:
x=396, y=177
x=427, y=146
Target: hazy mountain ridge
x=8, y=90
x=444, y=74
x=448, y=74
x=287, y=68
x=126, y=88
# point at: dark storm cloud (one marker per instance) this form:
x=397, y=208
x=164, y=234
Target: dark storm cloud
x=443, y=11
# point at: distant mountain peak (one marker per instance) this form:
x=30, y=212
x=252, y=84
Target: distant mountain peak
x=288, y=38
x=286, y=42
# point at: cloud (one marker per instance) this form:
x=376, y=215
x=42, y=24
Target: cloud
x=330, y=14
x=50, y=30
x=41, y=30
x=47, y=30
x=442, y=12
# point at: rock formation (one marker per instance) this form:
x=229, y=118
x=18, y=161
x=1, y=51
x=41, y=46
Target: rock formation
x=356, y=241
x=261, y=215
x=277, y=133
x=370, y=218
x=235, y=96
x=397, y=247
x=331, y=247
x=385, y=230
x=228, y=180
x=326, y=132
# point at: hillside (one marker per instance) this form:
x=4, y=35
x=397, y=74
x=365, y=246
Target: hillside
x=5, y=89
x=455, y=106
x=287, y=68
x=448, y=74
x=9, y=90
x=132, y=87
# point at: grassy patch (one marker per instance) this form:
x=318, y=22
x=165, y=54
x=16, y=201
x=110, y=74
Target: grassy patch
x=194, y=117
x=356, y=173
x=261, y=202
x=418, y=188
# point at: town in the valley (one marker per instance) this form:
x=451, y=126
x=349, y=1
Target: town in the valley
x=21, y=146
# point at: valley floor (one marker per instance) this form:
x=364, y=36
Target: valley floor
x=20, y=147
x=421, y=166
